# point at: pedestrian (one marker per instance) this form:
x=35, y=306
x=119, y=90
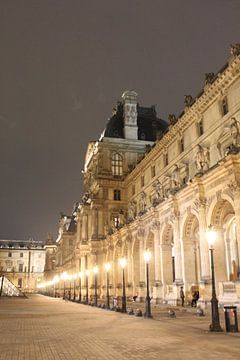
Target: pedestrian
x=195, y=298
x=182, y=295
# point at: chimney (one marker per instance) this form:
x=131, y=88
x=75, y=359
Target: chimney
x=130, y=114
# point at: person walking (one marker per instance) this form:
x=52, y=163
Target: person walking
x=182, y=295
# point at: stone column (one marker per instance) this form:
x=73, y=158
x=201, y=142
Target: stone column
x=178, y=252
x=236, y=194
x=157, y=286
x=141, y=289
x=203, y=243
x=85, y=227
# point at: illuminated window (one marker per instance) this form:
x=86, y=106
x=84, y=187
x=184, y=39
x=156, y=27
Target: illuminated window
x=116, y=221
x=117, y=195
x=117, y=164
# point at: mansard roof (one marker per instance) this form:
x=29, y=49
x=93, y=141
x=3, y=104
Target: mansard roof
x=149, y=125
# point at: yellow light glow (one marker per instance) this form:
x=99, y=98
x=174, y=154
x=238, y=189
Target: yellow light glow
x=123, y=262
x=95, y=270
x=147, y=256
x=107, y=266
x=211, y=236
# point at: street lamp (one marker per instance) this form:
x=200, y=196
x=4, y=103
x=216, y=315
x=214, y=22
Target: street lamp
x=74, y=286
x=55, y=281
x=87, y=274
x=80, y=274
x=107, y=268
x=147, y=257
x=95, y=271
x=64, y=277
x=123, y=263
x=215, y=325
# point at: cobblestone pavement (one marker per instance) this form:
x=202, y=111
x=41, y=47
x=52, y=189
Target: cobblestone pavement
x=47, y=328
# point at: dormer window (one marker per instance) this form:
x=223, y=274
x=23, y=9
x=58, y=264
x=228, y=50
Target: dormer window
x=117, y=164
x=224, y=105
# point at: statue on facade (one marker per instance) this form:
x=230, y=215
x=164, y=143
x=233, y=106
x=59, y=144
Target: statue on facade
x=202, y=159
x=235, y=132
x=132, y=211
x=172, y=119
x=188, y=100
x=176, y=180
x=142, y=203
x=158, y=193
x=209, y=78
x=235, y=49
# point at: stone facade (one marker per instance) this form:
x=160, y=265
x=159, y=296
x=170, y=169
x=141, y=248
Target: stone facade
x=159, y=188
x=22, y=262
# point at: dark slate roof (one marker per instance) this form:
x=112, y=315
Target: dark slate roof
x=149, y=125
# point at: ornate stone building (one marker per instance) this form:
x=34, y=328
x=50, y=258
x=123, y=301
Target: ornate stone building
x=149, y=184
x=22, y=262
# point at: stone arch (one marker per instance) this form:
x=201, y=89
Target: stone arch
x=191, y=252
x=167, y=254
x=149, y=245
x=226, y=261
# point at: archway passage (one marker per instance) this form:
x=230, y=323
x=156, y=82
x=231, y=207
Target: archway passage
x=191, y=253
x=226, y=247
x=167, y=255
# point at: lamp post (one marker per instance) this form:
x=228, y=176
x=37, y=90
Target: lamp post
x=107, y=268
x=215, y=325
x=123, y=263
x=87, y=274
x=55, y=281
x=147, y=257
x=80, y=286
x=70, y=288
x=95, y=271
x=64, y=277
x=74, y=286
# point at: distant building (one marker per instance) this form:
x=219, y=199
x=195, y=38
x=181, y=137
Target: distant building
x=157, y=185
x=22, y=262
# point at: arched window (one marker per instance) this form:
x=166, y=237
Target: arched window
x=117, y=164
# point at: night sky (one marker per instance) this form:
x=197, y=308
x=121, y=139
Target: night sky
x=63, y=66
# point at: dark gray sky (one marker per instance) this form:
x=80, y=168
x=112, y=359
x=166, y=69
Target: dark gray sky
x=64, y=64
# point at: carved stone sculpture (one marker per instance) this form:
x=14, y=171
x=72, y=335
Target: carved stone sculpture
x=172, y=119
x=235, y=49
x=132, y=211
x=158, y=193
x=176, y=180
x=209, y=78
x=188, y=100
x=235, y=132
x=202, y=159
x=142, y=203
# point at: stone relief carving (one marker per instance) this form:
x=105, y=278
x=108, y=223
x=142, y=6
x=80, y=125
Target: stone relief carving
x=155, y=225
x=202, y=159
